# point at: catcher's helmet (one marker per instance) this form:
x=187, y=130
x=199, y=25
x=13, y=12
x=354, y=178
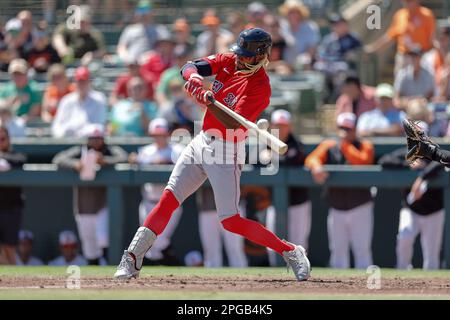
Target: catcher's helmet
x=252, y=42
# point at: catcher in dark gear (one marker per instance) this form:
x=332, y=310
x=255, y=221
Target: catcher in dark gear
x=420, y=145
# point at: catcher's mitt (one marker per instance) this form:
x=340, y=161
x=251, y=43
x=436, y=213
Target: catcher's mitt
x=418, y=143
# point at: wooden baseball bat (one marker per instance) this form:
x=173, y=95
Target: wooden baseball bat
x=275, y=144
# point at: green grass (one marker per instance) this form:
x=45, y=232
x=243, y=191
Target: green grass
x=152, y=293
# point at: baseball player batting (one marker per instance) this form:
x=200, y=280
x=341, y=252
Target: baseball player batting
x=241, y=84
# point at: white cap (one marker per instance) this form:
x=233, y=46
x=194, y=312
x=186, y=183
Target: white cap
x=94, y=130
x=346, y=120
x=67, y=237
x=158, y=126
x=193, y=259
x=18, y=65
x=384, y=90
x=281, y=116
x=26, y=235
x=256, y=7
x=13, y=24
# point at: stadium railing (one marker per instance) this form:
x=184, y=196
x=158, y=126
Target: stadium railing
x=125, y=175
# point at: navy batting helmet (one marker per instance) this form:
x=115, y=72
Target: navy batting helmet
x=252, y=42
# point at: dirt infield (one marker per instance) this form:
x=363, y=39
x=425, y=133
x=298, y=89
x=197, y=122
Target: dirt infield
x=323, y=285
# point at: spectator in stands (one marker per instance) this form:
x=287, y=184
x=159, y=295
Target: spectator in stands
x=41, y=54
x=350, y=217
x=336, y=53
x=355, y=97
x=14, y=124
x=91, y=211
x=156, y=61
x=182, y=34
x=161, y=151
x=299, y=209
x=85, y=43
x=24, y=250
x=21, y=94
x=181, y=111
x=443, y=89
x=9, y=43
x=434, y=60
x=139, y=38
x=26, y=36
x=256, y=12
x=385, y=119
x=131, y=116
x=59, y=86
x=214, y=39
x=78, y=109
x=412, y=27
x=301, y=34
x=277, y=64
x=120, y=89
x=4, y=53
x=414, y=80
x=236, y=23
x=422, y=210
x=68, y=246
x=11, y=201
x=182, y=54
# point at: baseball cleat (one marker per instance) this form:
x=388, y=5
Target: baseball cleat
x=298, y=261
x=127, y=267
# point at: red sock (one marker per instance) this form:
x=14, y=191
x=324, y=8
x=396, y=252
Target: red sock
x=159, y=217
x=255, y=232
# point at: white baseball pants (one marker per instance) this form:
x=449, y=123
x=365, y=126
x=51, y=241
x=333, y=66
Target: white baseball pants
x=430, y=227
x=211, y=235
x=351, y=229
x=94, y=232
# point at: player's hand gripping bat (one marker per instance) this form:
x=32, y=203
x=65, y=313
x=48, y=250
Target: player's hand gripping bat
x=275, y=144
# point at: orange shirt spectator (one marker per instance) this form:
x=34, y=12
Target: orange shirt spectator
x=412, y=27
x=59, y=86
x=411, y=30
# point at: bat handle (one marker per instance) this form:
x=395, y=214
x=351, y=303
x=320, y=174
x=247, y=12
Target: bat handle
x=210, y=97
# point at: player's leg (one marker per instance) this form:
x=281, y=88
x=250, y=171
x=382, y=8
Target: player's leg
x=338, y=239
x=187, y=176
x=162, y=242
x=209, y=229
x=431, y=231
x=224, y=179
x=299, y=223
x=361, y=230
x=407, y=233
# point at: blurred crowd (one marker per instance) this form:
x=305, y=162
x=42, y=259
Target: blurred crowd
x=148, y=99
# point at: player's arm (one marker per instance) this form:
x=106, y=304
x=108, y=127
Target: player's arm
x=317, y=159
x=193, y=72
x=356, y=156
